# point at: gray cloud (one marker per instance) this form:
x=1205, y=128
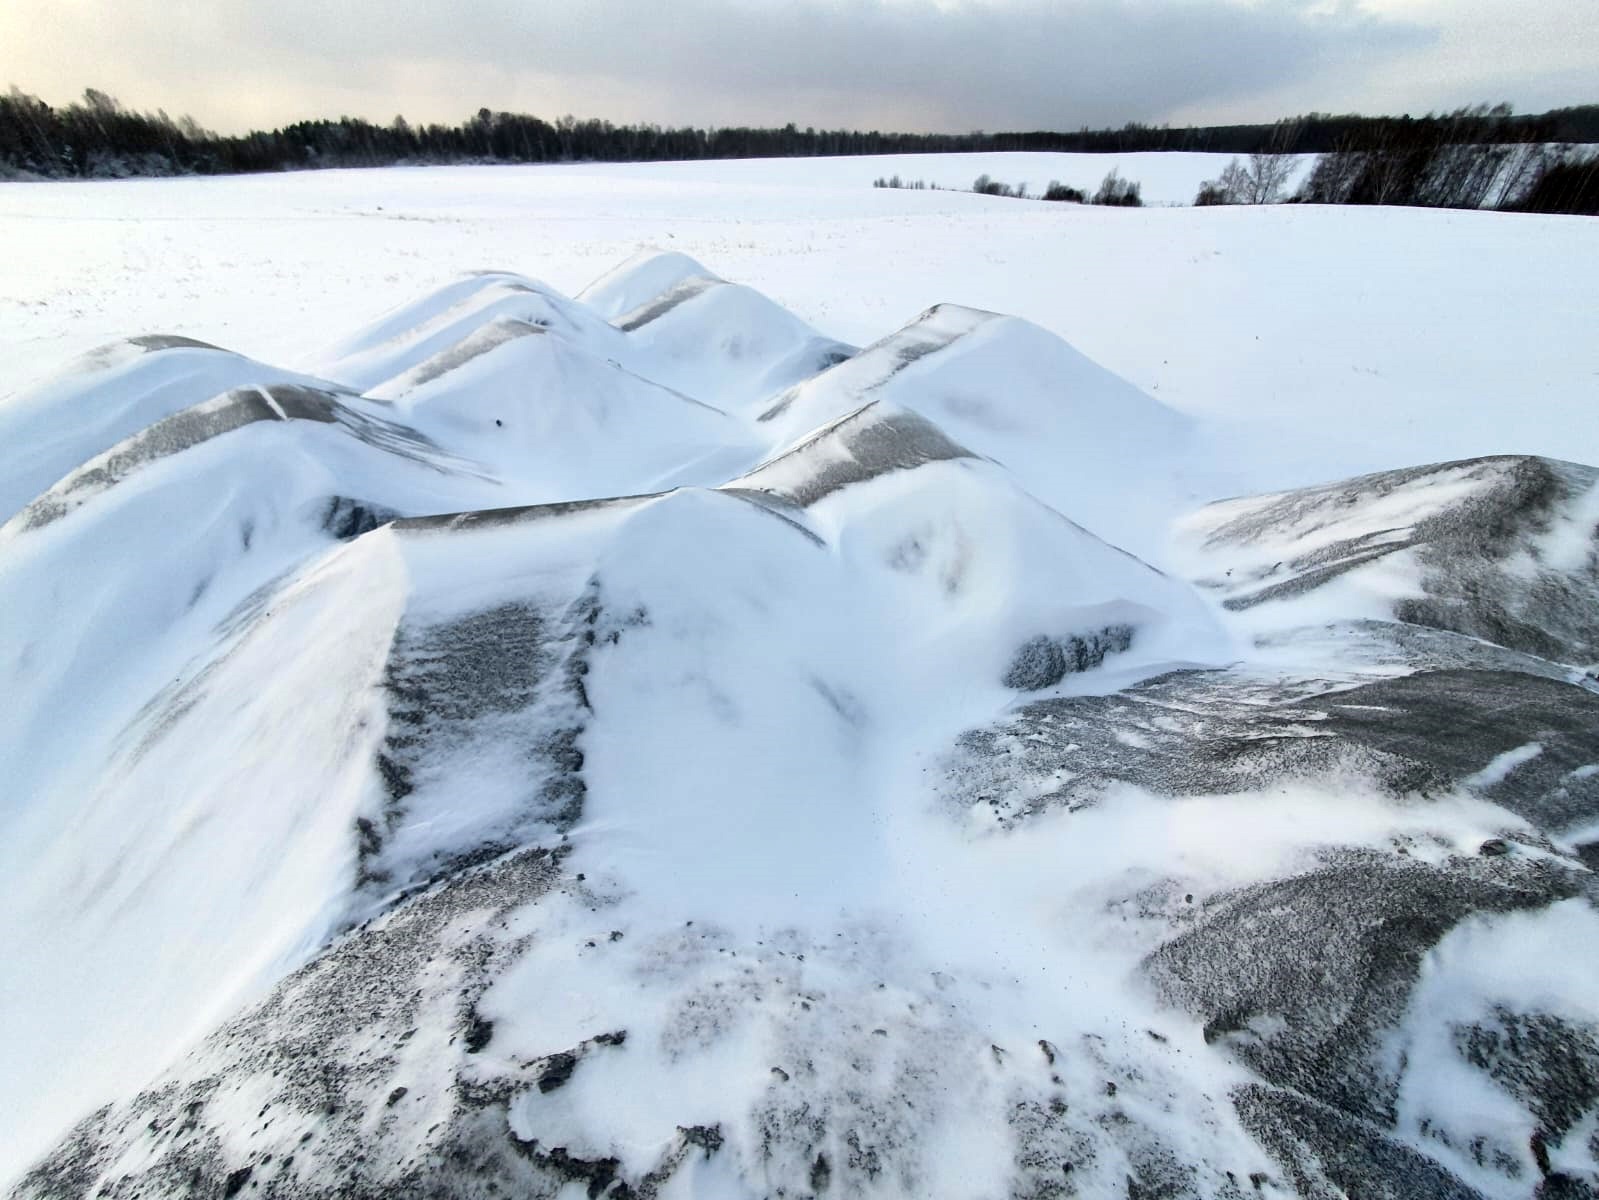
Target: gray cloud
x=912, y=64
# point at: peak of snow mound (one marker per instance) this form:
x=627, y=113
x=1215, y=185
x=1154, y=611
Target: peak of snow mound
x=476, y=343
x=688, y=330
x=724, y=343
x=1005, y=389
x=959, y=531
x=658, y=306
x=950, y=350
x=416, y=332
x=114, y=577
x=186, y=431
x=872, y=441
x=1502, y=548
x=646, y=276
x=559, y=423
x=806, y=404
x=843, y=386
x=108, y=395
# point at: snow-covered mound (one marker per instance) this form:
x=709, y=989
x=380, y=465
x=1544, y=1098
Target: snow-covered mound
x=638, y=746
x=107, y=395
x=418, y=332
x=1067, y=428
x=728, y=343
x=1505, y=549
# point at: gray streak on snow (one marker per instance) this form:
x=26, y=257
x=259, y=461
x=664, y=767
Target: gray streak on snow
x=472, y=346
x=777, y=506
x=679, y=293
x=226, y=414
x=498, y=686
x=871, y=368
x=111, y=353
x=863, y=445
x=1485, y=533
x=1431, y=730
x=489, y=518
x=177, y=433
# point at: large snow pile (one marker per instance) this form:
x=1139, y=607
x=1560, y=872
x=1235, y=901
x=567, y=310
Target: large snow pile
x=636, y=745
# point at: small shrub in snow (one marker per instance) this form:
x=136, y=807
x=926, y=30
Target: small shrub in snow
x=1043, y=662
x=1118, y=192
x=1259, y=181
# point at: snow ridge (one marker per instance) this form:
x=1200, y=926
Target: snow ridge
x=638, y=743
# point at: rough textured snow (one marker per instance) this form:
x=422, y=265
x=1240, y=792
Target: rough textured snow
x=630, y=742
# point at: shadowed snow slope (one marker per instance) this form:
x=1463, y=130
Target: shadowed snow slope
x=639, y=746
x=1505, y=549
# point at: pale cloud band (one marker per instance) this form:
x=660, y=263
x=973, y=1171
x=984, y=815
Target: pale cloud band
x=903, y=64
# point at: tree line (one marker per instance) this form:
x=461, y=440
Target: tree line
x=1113, y=190
x=98, y=137
x=1471, y=158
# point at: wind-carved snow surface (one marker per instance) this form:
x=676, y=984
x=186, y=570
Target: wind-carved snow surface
x=638, y=746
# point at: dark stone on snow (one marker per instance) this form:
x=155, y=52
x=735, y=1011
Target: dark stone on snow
x=821, y=1173
x=345, y=518
x=558, y=1069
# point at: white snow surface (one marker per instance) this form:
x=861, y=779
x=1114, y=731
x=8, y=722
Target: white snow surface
x=817, y=566
x=1321, y=342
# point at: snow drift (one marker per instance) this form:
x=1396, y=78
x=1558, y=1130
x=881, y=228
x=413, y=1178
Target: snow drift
x=638, y=744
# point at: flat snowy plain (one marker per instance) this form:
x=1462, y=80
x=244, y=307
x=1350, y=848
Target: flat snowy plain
x=1012, y=899
x=1345, y=339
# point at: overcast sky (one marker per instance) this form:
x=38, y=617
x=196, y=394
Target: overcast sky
x=951, y=65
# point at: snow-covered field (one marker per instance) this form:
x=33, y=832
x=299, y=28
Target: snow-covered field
x=639, y=680
x=1420, y=325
